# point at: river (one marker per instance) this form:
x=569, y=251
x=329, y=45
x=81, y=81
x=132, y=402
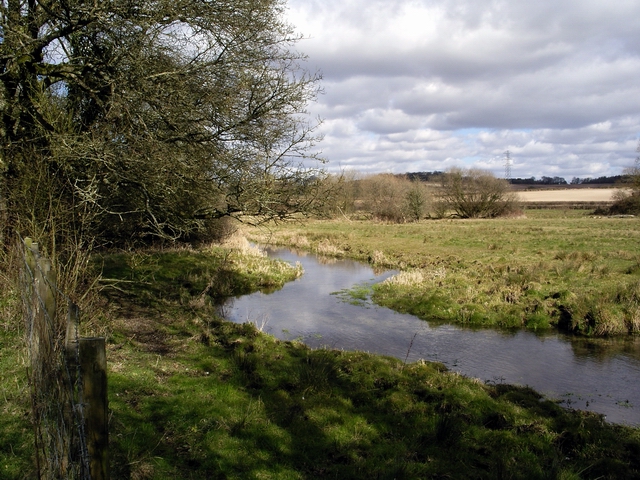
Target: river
x=601, y=375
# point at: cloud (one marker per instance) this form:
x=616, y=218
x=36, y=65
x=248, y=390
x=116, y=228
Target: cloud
x=425, y=84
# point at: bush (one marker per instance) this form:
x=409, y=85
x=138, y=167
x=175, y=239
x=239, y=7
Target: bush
x=214, y=230
x=475, y=194
x=393, y=198
x=628, y=204
x=416, y=201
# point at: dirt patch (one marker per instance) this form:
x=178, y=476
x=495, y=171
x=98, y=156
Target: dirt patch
x=146, y=334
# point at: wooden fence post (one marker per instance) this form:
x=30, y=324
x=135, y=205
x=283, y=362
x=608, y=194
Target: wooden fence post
x=43, y=303
x=93, y=369
x=75, y=441
x=84, y=356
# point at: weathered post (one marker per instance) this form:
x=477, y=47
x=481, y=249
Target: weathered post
x=71, y=337
x=75, y=440
x=82, y=373
x=41, y=330
x=93, y=371
x=43, y=303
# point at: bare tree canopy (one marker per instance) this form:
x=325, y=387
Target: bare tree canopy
x=475, y=193
x=151, y=117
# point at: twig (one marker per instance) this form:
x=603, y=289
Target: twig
x=409, y=349
x=343, y=214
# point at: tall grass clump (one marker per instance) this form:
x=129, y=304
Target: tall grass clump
x=610, y=312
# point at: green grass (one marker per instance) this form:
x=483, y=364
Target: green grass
x=192, y=396
x=249, y=406
x=553, y=269
x=213, y=274
x=16, y=439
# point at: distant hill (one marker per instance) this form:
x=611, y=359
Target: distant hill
x=542, y=181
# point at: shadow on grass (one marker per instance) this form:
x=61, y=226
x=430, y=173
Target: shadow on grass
x=249, y=406
x=159, y=278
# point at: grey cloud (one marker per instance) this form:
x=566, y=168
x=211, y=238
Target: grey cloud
x=555, y=81
x=387, y=121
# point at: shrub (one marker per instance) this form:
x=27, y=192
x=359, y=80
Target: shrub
x=625, y=203
x=393, y=198
x=475, y=194
x=415, y=201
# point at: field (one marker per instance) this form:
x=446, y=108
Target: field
x=549, y=269
x=192, y=396
x=568, y=195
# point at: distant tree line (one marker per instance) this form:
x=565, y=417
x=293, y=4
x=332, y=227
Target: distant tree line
x=541, y=181
x=600, y=180
x=544, y=180
x=437, y=175
x=423, y=176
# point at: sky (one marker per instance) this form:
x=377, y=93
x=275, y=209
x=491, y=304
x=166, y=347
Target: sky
x=425, y=85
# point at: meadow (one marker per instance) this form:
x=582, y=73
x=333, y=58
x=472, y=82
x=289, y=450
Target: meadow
x=193, y=396
x=545, y=269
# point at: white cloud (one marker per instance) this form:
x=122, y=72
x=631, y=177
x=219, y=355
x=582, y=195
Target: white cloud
x=425, y=84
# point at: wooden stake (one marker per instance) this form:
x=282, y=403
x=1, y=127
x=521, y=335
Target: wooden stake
x=93, y=368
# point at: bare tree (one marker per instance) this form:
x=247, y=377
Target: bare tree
x=392, y=198
x=475, y=193
x=152, y=117
x=383, y=196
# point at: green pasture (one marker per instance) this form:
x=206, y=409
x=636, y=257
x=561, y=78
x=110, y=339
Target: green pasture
x=193, y=396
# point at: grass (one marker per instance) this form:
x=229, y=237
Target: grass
x=193, y=396
x=205, y=275
x=249, y=406
x=552, y=269
x=16, y=431
x=357, y=295
x=16, y=439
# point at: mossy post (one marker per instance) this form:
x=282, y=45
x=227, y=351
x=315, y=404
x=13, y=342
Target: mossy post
x=93, y=371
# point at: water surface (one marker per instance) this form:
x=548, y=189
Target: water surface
x=598, y=375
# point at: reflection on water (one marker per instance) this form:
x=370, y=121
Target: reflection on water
x=606, y=348
x=594, y=374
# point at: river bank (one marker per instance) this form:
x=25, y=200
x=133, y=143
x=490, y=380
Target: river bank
x=193, y=396
x=330, y=307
